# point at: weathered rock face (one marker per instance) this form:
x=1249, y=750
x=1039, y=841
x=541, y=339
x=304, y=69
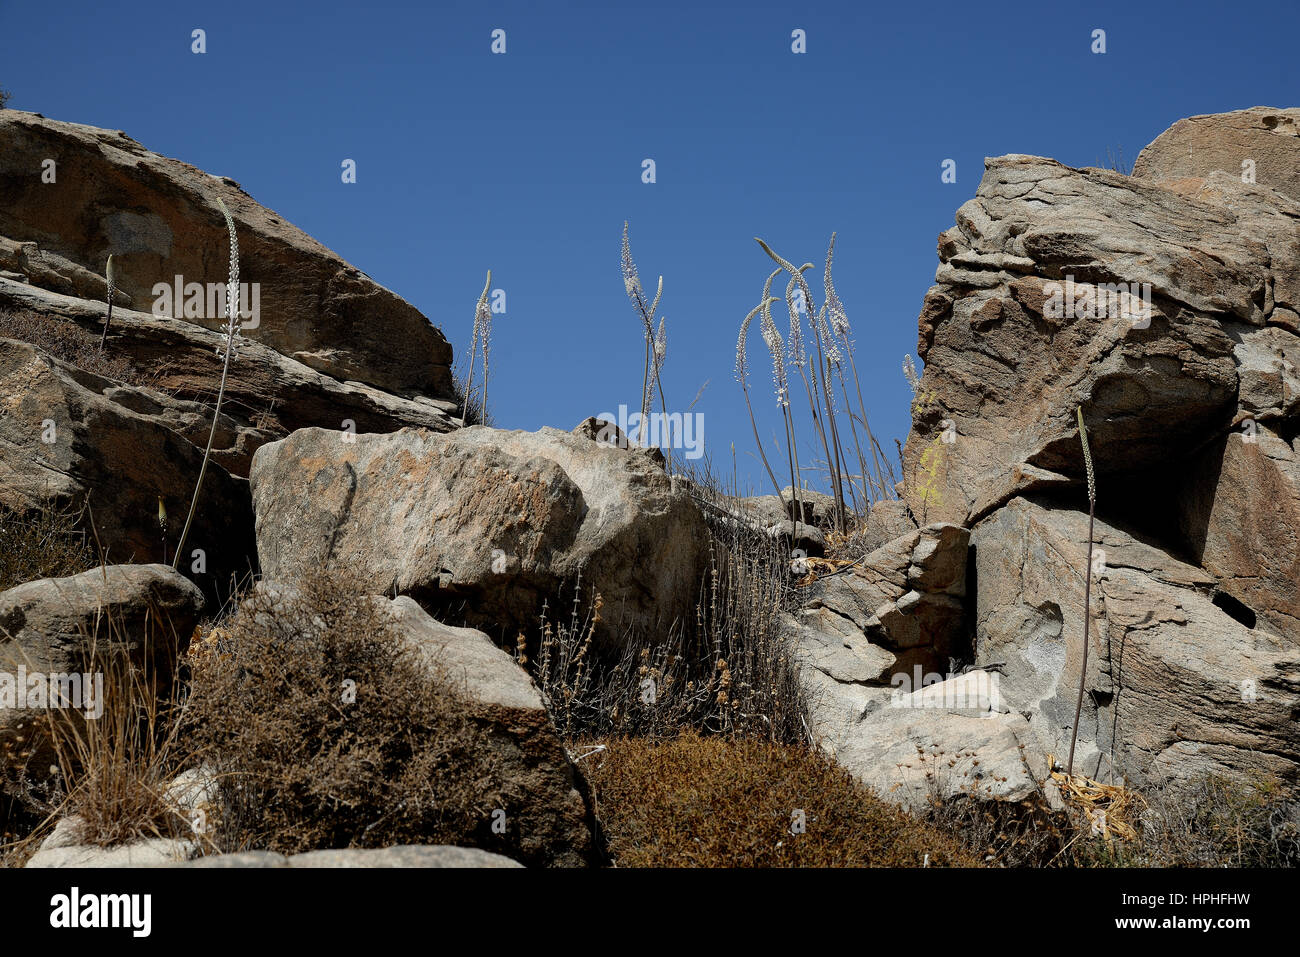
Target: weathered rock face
x=871, y=636
x=72, y=437
x=547, y=816
x=1165, y=305
x=1240, y=516
x=1267, y=138
x=488, y=520
x=267, y=394
x=1176, y=686
x=1004, y=372
x=905, y=598
x=46, y=623
x=913, y=755
x=159, y=219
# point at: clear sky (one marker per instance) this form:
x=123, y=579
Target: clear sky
x=528, y=163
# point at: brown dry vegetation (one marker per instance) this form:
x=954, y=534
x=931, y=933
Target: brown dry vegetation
x=111, y=772
x=325, y=731
x=69, y=342
x=45, y=543
x=707, y=802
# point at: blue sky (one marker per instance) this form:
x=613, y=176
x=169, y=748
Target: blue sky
x=529, y=162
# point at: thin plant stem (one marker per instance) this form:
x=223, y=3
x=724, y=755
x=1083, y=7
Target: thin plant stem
x=1087, y=586
x=232, y=329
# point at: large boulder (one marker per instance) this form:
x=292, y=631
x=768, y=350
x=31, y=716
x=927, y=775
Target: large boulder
x=918, y=755
x=1027, y=321
x=485, y=524
x=69, y=437
x=1267, y=138
x=50, y=623
x=159, y=219
x=1176, y=686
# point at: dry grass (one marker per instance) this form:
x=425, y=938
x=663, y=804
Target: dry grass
x=44, y=543
x=1211, y=822
x=110, y=771
x=708, y=802
x=68, y=341
x=323, y=729
x=732, y=672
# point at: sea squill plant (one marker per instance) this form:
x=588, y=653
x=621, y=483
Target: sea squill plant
x=655, y=345
x=483, y=332
x=108, y=276
x=742, y=372
x=818, y=398
x=232, y=334
x=1087, y=586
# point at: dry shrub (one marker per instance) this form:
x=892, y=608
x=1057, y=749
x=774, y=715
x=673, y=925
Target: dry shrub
x=1027, y=833
x=1213, y=821
x=324, y=729
x=709, y=802
x=68, y=341
x=733, y=671
x=41, y=543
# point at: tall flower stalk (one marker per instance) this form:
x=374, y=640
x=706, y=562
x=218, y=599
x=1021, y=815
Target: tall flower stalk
x=742, y=373
x=482, y=330
x=1087, y=586
x=232, y=332
x=821, y=363
x=112, y=285
x=818, y=390
x=655, y=345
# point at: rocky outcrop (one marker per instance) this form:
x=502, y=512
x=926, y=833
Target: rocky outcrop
x=1004, y=372
x=69, y=437
x=1262, y=142
x=158, y=218
x=1176, y=685
x=489, y=521
x=267, y=394
x=1165, y=305
x=873, y=633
